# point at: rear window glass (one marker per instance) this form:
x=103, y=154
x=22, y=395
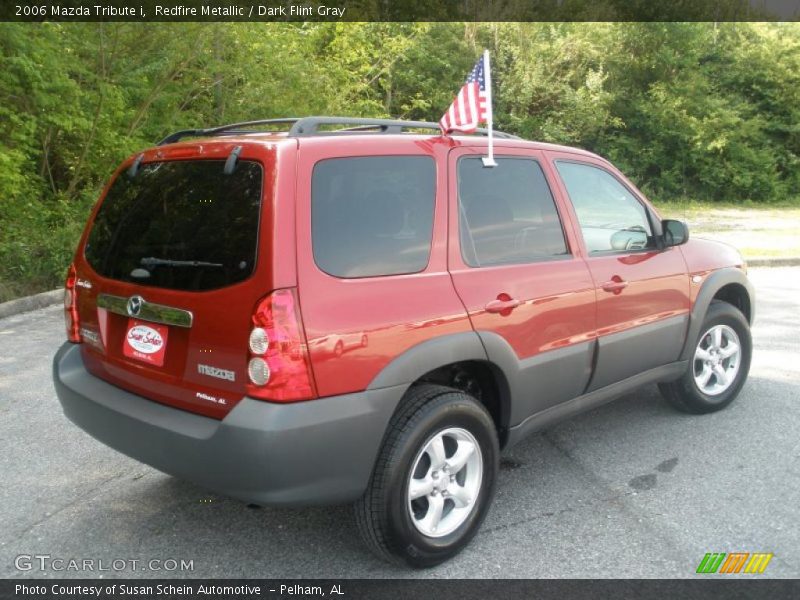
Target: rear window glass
x=372, y=216
x=181, y=225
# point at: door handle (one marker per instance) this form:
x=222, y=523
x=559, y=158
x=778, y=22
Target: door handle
x=503, y=305
x=616, y=285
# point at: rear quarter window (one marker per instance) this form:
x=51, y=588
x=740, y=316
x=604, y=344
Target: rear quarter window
x=372, y=216
x=181, y=225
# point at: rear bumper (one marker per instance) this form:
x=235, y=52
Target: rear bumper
x=316, y=452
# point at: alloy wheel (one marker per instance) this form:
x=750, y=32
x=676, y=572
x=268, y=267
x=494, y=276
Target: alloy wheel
x=445, y=482
x=716, y=360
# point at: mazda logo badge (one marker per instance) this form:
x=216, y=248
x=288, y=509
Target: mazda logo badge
x=135, y=305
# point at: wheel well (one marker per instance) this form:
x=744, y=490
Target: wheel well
x=735, y=294
x=482, y=380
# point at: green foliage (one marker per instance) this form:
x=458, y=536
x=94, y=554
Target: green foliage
x=698, y=110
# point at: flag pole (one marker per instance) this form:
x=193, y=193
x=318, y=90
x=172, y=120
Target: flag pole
x=488, y=161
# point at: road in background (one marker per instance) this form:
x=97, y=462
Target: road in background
x=632, y=489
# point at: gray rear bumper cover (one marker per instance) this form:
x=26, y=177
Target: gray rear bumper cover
x=316, y=452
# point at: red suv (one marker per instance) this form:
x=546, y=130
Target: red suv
x=357, y=310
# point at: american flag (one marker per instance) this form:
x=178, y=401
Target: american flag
x=472, y=105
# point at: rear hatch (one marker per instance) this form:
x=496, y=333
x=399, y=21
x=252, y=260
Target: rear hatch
x=169, y=275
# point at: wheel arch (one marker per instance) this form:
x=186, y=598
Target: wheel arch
x=729, y=285
x=444, y=360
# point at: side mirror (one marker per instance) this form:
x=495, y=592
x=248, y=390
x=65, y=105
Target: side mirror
x=675, y=232
x=629, y=239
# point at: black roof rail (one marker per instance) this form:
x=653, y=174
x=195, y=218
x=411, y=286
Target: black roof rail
x=310, y=126
x=230, y=129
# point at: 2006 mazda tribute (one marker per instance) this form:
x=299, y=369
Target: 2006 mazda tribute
x=357, y=310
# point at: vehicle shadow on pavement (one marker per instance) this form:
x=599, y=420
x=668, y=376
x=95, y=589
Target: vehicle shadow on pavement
x=228, y=538
x=629, y=470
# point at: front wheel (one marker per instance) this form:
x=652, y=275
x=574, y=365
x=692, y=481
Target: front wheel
x=719, y=364
x=434, y=478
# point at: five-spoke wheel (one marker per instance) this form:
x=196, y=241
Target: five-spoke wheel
x=445, y=481
x=716, y=360
x=434, y=478
x=719, y=364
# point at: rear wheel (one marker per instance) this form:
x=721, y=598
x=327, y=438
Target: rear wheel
x=719, y=365
x=434, y=478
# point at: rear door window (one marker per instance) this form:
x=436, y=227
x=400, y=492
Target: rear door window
x=507, y=214
x=182, y=225
x=372, y=216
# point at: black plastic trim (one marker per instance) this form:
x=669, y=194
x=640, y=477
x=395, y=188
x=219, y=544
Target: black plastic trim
x=527, y=386
x=428, y=356
x=230, y=163
x=638, y=349
x=316, y=452
x=134, y=168
x=714, y=283
x=541, y=381
x=310, y=126
x=230, y=129
x=593, y=399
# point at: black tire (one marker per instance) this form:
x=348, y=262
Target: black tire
x=383, y=516
x=684, y=393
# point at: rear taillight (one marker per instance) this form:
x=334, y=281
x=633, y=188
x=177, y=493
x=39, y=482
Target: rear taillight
x=279, y=368
x=71, y=319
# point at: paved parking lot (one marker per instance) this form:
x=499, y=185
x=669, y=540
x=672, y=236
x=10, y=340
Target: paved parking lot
x=632, y=489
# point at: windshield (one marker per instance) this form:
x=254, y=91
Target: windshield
x=182, y=225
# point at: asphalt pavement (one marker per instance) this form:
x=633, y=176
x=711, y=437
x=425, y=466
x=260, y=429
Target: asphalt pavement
x=632, y=489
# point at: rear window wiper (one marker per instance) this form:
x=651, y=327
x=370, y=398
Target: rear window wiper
x=152, y=261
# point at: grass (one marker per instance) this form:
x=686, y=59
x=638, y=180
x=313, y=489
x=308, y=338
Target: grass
x=696, y=206
x=10, y=290
x=758, y=231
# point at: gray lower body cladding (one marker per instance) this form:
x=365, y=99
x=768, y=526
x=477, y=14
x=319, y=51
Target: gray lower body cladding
x=593, y=399
x=323, y=451
x=316, y=452
x=637, y=350
x=542, y=383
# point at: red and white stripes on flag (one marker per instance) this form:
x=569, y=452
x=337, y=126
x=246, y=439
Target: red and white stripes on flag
x=472, y=105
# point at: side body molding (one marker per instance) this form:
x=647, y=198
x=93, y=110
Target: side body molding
x=552, y=385
x=543, y=380
x=715, y=282
x=525, y=387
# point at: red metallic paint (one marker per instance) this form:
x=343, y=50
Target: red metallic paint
x=655, y=284
x=556, y=297
x=387, y=315
x=394, y=312
x=703, y=257
x=221, y=317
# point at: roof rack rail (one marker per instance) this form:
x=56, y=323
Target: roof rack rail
x=231, y=129
x=310, y=126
